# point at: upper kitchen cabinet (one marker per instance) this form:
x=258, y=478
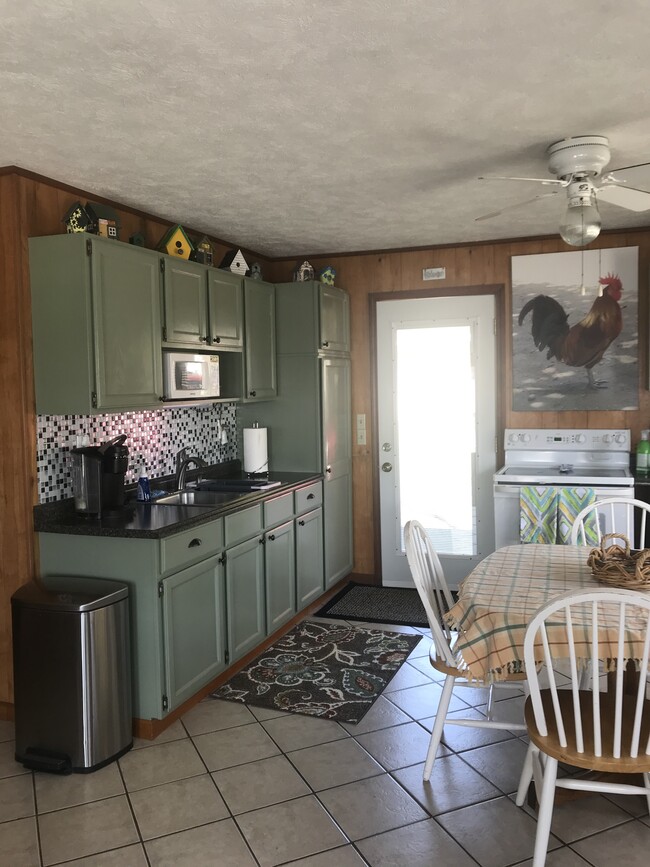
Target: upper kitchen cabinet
x=203, y=306
x=96, y=325
x=260, y=380
x=312, y=316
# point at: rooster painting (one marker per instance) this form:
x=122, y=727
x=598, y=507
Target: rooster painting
x=583, y=344
x=575, y=330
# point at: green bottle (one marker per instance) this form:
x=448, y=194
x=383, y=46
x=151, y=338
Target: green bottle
x=643, y=454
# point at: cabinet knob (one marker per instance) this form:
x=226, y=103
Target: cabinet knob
x=252, y=393
x=328, y=469
x=301, y=523
x=195, y=543
x=204, y=340
x=162, y=398
x=326, y=343
x=217, y=340
x=262, y=540
x=271, y=538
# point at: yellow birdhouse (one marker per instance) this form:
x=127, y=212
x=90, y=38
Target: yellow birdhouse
x=175, y=242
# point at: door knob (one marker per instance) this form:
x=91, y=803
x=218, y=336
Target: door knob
x=386, y=447
x=386, y=467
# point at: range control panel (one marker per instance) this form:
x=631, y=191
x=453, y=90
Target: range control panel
x=565, y=440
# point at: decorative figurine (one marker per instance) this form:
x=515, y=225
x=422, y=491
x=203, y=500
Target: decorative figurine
x=137, y=240
x=303, y=272
x=104, y=219
x=256, y=271
x=76, y=219
x=327, y=275
x=203, y=251
x=175, y=242
x=234, y=261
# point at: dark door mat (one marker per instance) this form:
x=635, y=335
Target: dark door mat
x=400, y=606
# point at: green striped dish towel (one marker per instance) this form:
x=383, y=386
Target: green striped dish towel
x=538, y=514
x=571, y=502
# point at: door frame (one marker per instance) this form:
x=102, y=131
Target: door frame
x=501, y=387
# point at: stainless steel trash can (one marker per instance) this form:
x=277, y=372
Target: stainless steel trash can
x=72, y=673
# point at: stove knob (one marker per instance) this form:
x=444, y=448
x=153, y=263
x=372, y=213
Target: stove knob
x=525, y=438
x=619, y=438
x=581, y=438
x=513, y=438
x=607, y=439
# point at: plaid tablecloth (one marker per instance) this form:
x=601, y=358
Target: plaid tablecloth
x=499, y=597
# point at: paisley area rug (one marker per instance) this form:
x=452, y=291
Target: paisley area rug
x=327, y=670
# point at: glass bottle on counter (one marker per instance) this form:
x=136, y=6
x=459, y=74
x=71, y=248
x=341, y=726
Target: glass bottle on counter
x=643, y=454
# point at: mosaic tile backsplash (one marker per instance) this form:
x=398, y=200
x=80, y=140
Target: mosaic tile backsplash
x=153, y=439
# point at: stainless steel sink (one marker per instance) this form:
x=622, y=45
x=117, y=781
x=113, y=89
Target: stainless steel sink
x=199, y=498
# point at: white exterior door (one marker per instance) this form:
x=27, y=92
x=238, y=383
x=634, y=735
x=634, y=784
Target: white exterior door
x=437, y=429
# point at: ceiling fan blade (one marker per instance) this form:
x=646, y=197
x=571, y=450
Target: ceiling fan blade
x=624, y=197
x=512, y=207
x=633, y=176
x=548, y=181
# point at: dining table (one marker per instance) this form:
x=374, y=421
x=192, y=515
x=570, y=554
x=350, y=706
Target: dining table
x=499, y=598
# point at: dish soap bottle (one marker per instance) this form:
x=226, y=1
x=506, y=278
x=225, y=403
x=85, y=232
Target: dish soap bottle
x=144, y=493
x=643, y=454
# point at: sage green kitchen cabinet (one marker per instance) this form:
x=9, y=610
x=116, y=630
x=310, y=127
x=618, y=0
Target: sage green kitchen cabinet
x=312, y=317
x=245, y=597
x=194, y=629
x=334, y=307
x=260, y=380
x=280, y=575
x=203, y=306
x=96, y=325
x=309, y=557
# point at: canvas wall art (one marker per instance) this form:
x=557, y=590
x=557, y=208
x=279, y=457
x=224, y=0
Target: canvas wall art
x=575, y=330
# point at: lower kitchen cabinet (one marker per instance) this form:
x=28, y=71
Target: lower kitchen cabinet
x=245, y=597
x=194, y=629
x=280, y=573
x=309, y=557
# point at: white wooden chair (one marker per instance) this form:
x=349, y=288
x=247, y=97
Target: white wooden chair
x=619, y=513
x=600, y=731
x=435, y=595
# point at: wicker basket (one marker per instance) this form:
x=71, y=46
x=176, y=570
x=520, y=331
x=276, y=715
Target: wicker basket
x=618, y=565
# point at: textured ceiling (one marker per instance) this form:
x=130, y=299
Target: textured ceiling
x=323, y=125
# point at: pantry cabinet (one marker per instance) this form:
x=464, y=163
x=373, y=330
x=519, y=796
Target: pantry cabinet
x=96, y=325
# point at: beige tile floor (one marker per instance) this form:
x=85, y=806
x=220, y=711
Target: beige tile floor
x=232, y=785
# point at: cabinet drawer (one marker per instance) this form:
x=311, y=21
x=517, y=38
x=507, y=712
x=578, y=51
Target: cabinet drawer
x=190, y=546
x=278, y=510
x=308, y=498
x=242, y=525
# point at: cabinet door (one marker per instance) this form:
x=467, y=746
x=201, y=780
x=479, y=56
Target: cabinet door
x=186, y=319
x=280, y=571
x=259, y=318
x=225, y=309
x=309, y=557
x=245, y=595
x=193, y=629
x=126, y=325
x=337, y=525
x=334, y=319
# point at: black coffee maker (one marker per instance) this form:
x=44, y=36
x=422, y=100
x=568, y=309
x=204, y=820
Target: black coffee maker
x=98, y=477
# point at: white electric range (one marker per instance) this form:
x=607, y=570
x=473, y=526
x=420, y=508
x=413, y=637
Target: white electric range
x=565, y=458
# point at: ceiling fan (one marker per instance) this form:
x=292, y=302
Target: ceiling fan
x=577, y=164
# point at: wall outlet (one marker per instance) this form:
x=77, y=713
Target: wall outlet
x=361, y=429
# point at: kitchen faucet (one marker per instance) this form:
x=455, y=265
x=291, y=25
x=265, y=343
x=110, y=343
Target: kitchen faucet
x=183, y=462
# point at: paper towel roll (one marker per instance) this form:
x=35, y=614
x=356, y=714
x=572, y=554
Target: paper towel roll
x=256, y=456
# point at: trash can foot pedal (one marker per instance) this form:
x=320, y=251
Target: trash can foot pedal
x=44, y=760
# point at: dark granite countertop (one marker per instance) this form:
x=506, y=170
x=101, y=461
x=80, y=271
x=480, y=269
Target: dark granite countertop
x=156, y=521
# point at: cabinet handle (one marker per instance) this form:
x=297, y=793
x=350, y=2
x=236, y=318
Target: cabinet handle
x=252, y=393
x=310, y=496
x=195, y=543
x=271, y=538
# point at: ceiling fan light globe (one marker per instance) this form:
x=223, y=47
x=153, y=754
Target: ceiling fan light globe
x=581, y=225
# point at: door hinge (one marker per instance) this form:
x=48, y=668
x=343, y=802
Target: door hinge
x=226, y=657
x=93, y=398
x=162, y=265
x=89, y=248
x=164, y=332
x=222, y=559
x=165, y=702
x=161, y=588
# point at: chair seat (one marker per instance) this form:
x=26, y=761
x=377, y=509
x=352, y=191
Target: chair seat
x=587, y=759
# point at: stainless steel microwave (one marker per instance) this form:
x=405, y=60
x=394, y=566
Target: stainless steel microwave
x=190, y=375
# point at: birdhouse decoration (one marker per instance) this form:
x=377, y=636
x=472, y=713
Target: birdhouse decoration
x=104, y=220
x=137, y=240
x=303, y=272
x=176, y=242
x=234, y=261
x=203, y=251
x=327, y=275
x=256, y=271
x=76, y=219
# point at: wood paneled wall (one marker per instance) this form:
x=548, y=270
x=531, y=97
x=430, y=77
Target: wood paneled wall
x=371, y=275
x=30, y=206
